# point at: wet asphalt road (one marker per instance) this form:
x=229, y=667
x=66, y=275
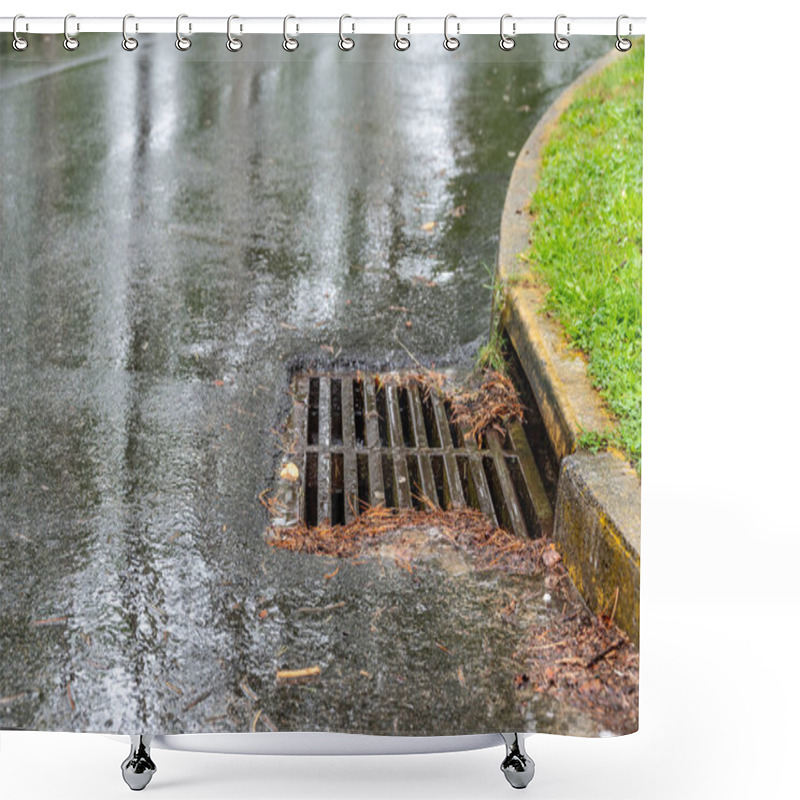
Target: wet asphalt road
x=178, y=231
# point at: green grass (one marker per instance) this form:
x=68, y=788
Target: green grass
x=490, y=355
x=587, y=239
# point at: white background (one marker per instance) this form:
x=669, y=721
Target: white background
x=720, y=604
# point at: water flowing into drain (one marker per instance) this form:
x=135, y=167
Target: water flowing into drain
x=389, y=440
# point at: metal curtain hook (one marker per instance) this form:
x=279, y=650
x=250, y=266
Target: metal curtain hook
x=128, y=42
x=345, y=42
x=400, y=42
x=18, y=43
x=289, y=44
x=70, y=42
x=561, y=43
x=623, y=45
x=451, y=42
x=181, y=42
x=233, y=44
x=507, y=42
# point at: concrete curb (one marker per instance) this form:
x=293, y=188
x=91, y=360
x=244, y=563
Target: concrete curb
x=598, y=506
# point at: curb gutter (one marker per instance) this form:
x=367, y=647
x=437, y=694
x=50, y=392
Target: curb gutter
x=598, y=504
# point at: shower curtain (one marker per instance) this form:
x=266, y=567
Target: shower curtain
x=217, y=265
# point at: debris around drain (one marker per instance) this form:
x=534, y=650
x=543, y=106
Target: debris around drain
x=290, y=472
x=588, y=662
x=392, y=439
x=298, y=674
x=551, y=556
x=491, y=406
x=466, y=528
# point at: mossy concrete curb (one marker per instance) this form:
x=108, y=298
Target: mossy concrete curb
x=598, y=505
x=597, y=528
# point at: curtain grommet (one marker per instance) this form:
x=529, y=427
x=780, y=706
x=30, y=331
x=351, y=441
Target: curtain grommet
x=182, y=42
x=71, y=43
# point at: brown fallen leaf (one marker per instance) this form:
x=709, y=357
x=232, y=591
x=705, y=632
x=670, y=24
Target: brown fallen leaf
x=425, y=281
x=507, y=612
x=219, y=383
x=197, y=700
x=298, y=674
x=290, y=472
x=263, y=613
x=458, y=211
x=12, y=698
x=332, y=574
x=428, y=227
x=255, y=721
x=461, y=679
x=551, y=557
x=590, y=687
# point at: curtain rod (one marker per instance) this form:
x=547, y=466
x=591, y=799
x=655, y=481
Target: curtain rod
x=406, y=26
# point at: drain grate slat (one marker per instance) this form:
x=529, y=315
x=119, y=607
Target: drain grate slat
x=373, y=441
x=450, y=466
x=402, y=484
x=324, y=413
x=481, y=485
x=323, y=454
x=323, y=488
x=516, y=520
x=394, y=418
x=428, y=485
x=532, y=479
x=387, y=440
x=296, y=494
x=349, y=452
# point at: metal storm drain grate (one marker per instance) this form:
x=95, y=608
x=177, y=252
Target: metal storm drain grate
x=384, y=440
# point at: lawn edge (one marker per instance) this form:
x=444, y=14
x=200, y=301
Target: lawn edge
x=598, y=507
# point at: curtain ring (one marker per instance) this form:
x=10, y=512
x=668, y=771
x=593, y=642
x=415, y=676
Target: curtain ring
x=70, y=42
x=561, y=43
x=18, y=43
x=181, y=42
x=345, y=42
x=451, y=42
x=233, y=44
x=400, y=42
x=289, y=44
x=507, y=42
x=128, y=42
x=623, y=45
